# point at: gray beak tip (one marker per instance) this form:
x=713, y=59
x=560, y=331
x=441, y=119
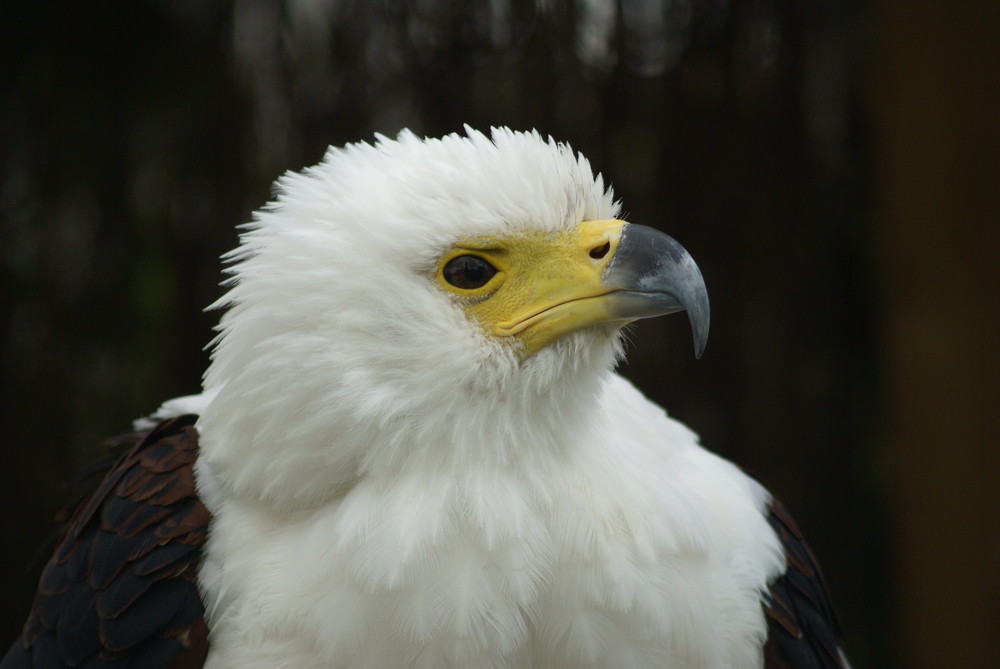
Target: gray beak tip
x=698, y=316
x=658, y=276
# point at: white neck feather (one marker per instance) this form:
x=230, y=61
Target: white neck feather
x=332, y=432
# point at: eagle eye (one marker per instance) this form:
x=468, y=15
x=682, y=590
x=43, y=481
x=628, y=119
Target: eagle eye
x=468, y=272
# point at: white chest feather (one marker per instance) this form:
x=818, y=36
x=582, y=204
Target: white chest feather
x=628, y=556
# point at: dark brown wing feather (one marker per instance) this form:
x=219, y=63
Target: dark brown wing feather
x=119, y=590
x=803, y=631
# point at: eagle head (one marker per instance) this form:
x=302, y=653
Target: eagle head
x=426, y=298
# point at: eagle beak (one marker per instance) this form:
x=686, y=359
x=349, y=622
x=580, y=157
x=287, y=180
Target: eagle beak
x=548, y=285
x=652, y=275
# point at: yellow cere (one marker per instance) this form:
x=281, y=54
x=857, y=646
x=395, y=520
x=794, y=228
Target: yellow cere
x=547, y=285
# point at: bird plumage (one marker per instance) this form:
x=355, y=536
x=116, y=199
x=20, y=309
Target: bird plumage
x=120, y=587
x=391, y=482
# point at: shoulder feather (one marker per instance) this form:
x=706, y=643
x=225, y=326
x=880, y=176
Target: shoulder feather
x=803, y=630
x=120, y=590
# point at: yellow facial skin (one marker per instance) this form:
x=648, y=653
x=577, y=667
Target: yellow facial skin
x=547, y=285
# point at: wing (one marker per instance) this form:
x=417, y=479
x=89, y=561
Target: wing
x=803, y=631
x=120, y=589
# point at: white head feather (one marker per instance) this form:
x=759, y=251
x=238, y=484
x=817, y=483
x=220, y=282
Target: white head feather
x=341, y=352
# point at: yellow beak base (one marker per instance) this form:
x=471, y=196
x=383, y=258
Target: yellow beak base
x=548, y=285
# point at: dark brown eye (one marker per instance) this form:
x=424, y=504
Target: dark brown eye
x=468, y=272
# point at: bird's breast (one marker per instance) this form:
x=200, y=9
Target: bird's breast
x=593, y=565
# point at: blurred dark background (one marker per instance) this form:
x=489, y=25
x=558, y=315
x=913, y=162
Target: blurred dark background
x=832, y=165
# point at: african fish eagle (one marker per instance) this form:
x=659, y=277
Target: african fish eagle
x=412, y=450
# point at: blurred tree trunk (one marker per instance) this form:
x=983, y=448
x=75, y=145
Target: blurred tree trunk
x=936, y=94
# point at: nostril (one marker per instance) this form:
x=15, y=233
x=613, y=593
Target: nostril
x=599, y=252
